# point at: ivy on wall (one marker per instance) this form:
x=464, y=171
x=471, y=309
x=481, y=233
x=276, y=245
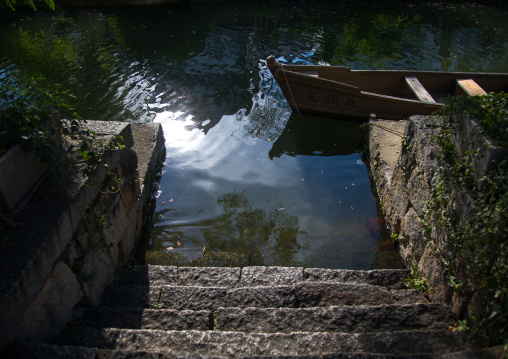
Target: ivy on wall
x=479, y=265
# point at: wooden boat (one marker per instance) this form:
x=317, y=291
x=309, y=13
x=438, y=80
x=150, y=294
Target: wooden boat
x=389, y=94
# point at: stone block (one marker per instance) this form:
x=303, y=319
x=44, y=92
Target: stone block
x=335, y=275
x=408, y=296
x=86, y=188
x=395, y=201
x=147, y=275
x=113, y=128
x=463, y=205
x=262, y=297
x=237, y=344
x=209, y=276
x=130, y=192
x=48, y=351
x=98, y=270
x=418, y=191
x=52, y=308
x=131, y=296
x=192, y=298
x=469, y=139
x=389, y=278
x=19, y=173
x=27, y=265
x=130, y=233
x=137, y=318
x=163, y=274
x=126, y=275
x=356, y=319
x=320, y=294
x=411, y=240
x=115, y=219
x=268, y=276
x=431, y=270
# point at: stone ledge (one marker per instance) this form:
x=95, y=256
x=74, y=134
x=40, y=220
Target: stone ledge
x=237, y=344
x=45, y=250
x=236, y=277
x=338, y=319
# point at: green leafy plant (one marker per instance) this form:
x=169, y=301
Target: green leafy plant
x=12, y=4
x=213, y=321
x=30, y=116
x=414, y=281
x=157, y=305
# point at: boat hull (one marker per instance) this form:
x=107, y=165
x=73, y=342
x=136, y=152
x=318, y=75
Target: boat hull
x=307, y=91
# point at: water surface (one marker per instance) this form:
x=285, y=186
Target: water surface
x=246, y=181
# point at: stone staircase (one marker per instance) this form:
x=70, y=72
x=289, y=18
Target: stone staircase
x=262, y=312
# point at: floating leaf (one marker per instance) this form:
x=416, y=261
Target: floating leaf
x=204, y=249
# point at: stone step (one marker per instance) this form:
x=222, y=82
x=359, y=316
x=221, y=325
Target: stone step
x=164, y=297
x=357, y=319
x=254, y=276
x=498, y=352
x=389, y=278
x=51, y=351
x=345, y=356
x=238, y=344
x=322, y=294
x=303, y=294
x=47, y=351
x=354, y=319
x=134, y=318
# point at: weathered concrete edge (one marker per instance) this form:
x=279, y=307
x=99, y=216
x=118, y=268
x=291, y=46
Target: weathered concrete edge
x=150, y=149
x=149, y=157
x=384, y=138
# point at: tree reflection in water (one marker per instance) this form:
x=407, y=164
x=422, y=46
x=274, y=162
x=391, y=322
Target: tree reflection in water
x=242, y=235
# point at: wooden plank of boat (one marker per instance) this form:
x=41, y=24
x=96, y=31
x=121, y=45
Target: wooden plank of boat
x=469, y=87
x=418, y=89
x=341, y=91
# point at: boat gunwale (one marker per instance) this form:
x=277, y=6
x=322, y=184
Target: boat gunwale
x=331, y=85
x=321, y=68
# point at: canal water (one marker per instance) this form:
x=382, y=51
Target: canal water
x=246, y=181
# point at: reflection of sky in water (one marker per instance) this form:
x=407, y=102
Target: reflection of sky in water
x=330, y=196
x=239, y=165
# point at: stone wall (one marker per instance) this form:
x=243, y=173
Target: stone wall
x=404, y=164
x=403, y=200
x=64, y=247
